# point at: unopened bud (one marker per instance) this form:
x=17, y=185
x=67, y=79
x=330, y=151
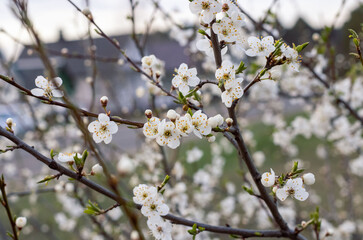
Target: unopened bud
x=104, y=101
x=229, y=121
x=148, y=113
x=185, y=107
x=157, y=74
x=303, y=224
x=211, y=139
x=87, y=13
x=134, y=235
x=274, y=189
x=9, y=122
x=20, y=222
x=225, y=7
x=172, y=115
x=96, y=169
x=308, y=178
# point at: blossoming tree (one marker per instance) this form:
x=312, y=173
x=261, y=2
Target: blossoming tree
x=153, y=192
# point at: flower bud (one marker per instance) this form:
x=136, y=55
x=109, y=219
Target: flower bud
x=215, y=121
x=20, y=222
x=274, y=189
x=96, y=169
x=229, y=121
x=303, y=224
x=104, y=101
x=148, y=113
x=172, y=115
x=308, y=178
x=9, y=122
x=87, y=13
x=211, y=139
x=134, y=235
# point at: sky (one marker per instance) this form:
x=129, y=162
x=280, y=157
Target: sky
x=49, y=16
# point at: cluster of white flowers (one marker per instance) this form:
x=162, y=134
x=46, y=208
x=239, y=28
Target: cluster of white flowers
x=292, y=187
x=168, y=133
x=232, y=85
x=227, y=26
x=47, y=88
x=153, y=207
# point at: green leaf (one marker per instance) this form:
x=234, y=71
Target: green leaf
x=201, y=31
x=248, y=190
x=301, y=47
x=52, y=154
x=241, y=68
x=353, y=34
x=92, y=208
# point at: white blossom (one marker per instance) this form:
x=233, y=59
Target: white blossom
x=184, y=125
x=47, y=88
x=168, y=135
x=185, y=78
x=293, y=187
x=200, y=123
x=67, y=157
x=260, y=47
x=103, y=129
x=154, y=206
x=160, y=228
x=268, y=178
x=142, y=192
x=151, y=128
x=207, y=9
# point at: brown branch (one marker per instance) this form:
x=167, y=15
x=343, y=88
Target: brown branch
x=4, y=202
x=64, y=105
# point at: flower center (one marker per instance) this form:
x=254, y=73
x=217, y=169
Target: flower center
x=225, y=32
x=144, y=195
x=226, y=76
x=159, y=229
x=205, y=5
x=167, y=133
x=291, y=191
x=185, y=78
x=152, y=206
x=261, y=48
x=103, y=128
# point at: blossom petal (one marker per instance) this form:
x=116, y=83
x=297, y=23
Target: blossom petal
x=93, y=126
x=176, y=81
x=113, y=127
x=282, y=194
x=301, y=194
x=163, y=209
x=103, y=118
x=108, y=139
x=41, y=82
x=57, y=93
x=37, y=92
